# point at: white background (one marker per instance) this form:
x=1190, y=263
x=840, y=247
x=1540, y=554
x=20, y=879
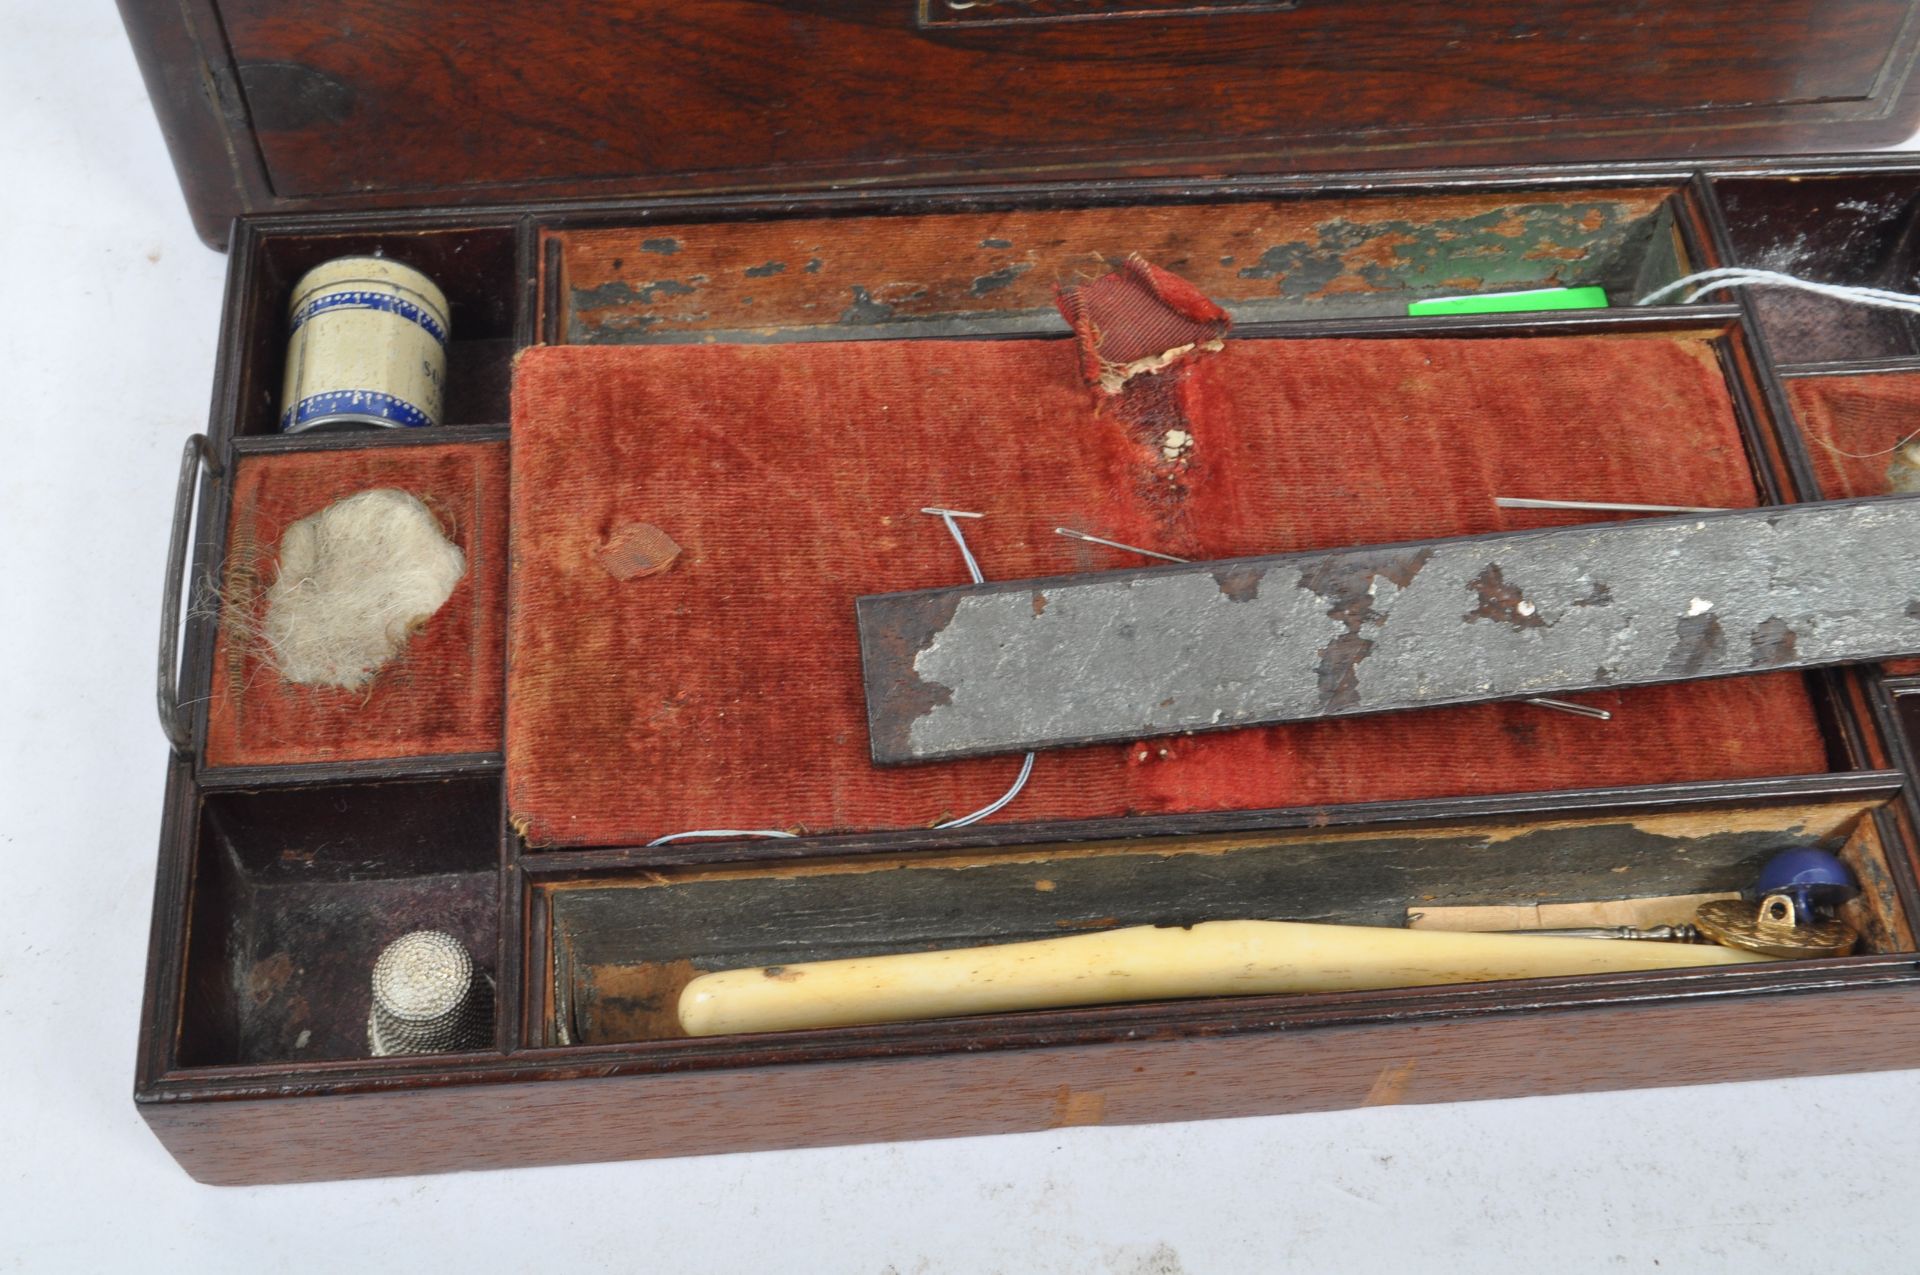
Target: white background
x=108, y=310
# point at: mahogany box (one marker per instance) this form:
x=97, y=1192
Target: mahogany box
x=776, y=273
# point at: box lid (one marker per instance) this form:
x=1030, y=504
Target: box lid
x=365, y=104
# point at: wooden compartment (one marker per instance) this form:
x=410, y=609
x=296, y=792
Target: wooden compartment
x=1431, y=422
x=280, y=881
x=296, y=891
x=622, y=947
x=1861, y=228
x=995, y=270
x=1854, y=425
x=891, y=173
x=475, y=264
x=440, y=695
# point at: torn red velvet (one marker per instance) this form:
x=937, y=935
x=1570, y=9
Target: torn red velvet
x=1138, y=319
x=725, y=692
x=442, y=694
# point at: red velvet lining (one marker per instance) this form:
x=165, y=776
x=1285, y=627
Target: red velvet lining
x=1866, y=415
x=442, y=695
x=726, y=692
x=1138, y=314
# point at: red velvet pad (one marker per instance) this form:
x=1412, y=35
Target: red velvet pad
x=1866, y=415
x=725, y=692
x=442, y=695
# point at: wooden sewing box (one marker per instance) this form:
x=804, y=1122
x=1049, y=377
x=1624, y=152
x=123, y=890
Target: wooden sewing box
x=653, y=181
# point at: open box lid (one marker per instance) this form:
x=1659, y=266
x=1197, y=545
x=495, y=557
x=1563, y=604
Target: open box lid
x=357, y=104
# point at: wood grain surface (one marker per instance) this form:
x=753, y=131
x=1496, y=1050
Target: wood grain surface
x=396, y=103
x=582, y=1118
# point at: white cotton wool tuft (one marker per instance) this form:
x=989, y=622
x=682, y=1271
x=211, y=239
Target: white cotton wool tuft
x=355, y=582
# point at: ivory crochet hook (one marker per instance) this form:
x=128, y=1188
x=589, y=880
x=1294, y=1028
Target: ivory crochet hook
x=1147, y=963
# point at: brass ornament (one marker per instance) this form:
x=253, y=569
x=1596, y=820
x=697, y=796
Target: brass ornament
x=1770, y=928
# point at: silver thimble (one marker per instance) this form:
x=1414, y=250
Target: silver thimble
x=428, y=998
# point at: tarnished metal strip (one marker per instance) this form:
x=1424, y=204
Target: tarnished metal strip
x=1012, y=666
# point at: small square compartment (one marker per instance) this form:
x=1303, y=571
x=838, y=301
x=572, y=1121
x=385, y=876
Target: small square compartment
x=1852, y=425
x=441, y=695
x=476, y=266
x=295, y=893
x=1861, y=230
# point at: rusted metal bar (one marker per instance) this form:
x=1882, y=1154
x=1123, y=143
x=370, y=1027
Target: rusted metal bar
x=1013, y=666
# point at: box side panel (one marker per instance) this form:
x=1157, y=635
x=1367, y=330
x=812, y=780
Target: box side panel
x=357, y=104
x=558, y=1121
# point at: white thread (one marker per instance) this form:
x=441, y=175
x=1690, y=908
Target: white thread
x=1740, y=276
x=993, y=807
x=1026, y=767
x=996, y=806
x=716, y=833
x=1885, y=451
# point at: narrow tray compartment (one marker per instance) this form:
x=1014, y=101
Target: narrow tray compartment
x=1859, y=229
x=477, y=268
x=981, y=273
x=620, y=948
x=295, y=893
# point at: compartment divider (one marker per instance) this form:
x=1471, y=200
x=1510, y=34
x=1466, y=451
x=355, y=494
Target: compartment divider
x=1789, y=445
x=526, y=283
x=162, y=1011
x=1860, y=367
x=367, y=439
x=511, y=1023
x=552, y=290
x=545, y=866
x=1653, y=318
x=1760, y=407
x=306, y=774
x=1900, y=820
x=1714, y=248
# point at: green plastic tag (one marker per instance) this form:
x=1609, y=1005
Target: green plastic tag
x=1514, y=302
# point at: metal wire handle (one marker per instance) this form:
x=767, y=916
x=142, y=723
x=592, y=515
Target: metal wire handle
x=195, y=458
